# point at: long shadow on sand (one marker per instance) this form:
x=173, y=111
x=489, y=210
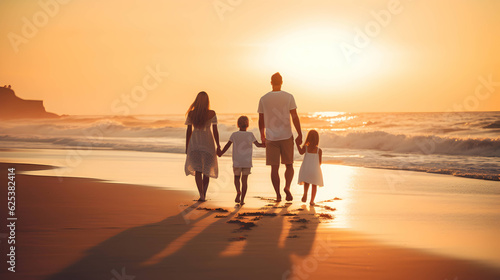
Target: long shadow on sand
x=128, y=248
x=210, y=254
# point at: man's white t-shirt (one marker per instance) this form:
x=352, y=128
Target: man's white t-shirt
x=276, y=106
x=242, y=148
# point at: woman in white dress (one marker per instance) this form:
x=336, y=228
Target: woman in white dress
x=201, y=159
x=310, y=170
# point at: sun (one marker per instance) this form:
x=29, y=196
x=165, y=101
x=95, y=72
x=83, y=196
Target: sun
x=313, y=55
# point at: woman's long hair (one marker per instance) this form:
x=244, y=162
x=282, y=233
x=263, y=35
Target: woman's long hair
x=199, y=109
x=312, y=139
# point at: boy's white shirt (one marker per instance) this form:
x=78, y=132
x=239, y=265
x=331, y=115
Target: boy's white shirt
x=242, y=148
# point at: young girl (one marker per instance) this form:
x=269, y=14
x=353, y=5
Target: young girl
x=310, y=170
x=201, y=160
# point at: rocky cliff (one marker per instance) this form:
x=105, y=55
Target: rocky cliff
x=13, y=107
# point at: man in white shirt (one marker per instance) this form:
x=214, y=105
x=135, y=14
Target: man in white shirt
x=275, y=109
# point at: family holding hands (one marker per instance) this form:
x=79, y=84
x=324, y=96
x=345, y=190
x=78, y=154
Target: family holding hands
x=276, y=108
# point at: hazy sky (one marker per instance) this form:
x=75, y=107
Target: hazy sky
x=111, y=57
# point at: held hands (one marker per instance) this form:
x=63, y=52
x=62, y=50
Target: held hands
x=298, y=140
x=219, y=152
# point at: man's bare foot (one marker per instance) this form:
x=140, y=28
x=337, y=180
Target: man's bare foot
x=312, y=203
x=304, y=198
x=242, y=203
x=237, y=199
x=278, y=198
x=289, y=196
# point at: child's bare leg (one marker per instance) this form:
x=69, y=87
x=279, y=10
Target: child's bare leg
x=206, y=180
x=313, y=194
x=306, y=189
x=237, y=186
x=244, y=187
x=199, y=184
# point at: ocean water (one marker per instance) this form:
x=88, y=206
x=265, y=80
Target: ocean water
x=463, y=144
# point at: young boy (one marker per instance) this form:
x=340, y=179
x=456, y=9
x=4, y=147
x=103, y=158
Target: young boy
x=242, y=156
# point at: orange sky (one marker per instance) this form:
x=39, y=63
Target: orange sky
x=92, y=57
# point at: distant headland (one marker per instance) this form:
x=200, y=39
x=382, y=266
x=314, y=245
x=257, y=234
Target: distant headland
x=13, y=107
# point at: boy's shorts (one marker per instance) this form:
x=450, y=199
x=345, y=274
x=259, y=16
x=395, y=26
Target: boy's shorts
x=279, y=149
x=238, y=171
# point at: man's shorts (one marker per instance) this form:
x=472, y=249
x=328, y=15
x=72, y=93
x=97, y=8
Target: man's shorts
x=238, y=171
x=277, y=149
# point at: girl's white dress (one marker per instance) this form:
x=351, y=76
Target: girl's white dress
x=310, y=170
x=201, y=153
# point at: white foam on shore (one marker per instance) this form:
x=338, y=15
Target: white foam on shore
x=460, y=144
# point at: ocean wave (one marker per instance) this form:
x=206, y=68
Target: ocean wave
x=106, y=127
x=373, y=150
x=115, y=135
x=458, y=144
x=475, y=168
x=493, y=125
x=92, y=142
x=401, y=143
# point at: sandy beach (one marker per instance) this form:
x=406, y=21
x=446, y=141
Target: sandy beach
x=84, y=228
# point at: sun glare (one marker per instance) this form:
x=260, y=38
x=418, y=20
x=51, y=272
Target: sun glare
x=314, y=55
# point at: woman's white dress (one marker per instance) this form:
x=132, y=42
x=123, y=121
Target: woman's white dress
x=201, y=152
x=310, y=170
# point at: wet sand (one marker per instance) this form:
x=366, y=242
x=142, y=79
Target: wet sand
x=83, y=228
